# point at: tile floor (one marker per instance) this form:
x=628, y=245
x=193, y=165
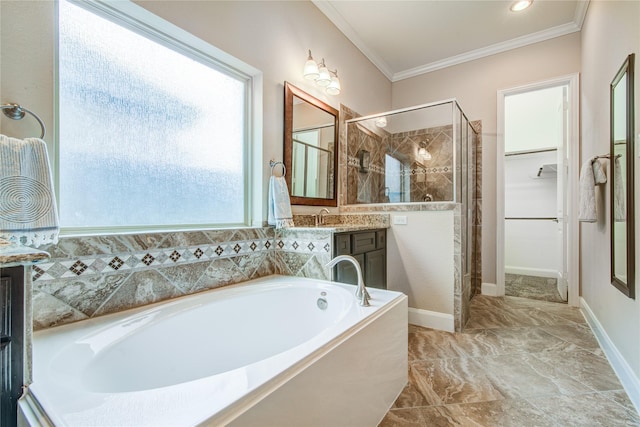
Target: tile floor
x=519, y=362
x=541, y=288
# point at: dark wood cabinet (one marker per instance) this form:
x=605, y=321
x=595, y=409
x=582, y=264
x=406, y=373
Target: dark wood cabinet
x=11, y=343
x=370, y=249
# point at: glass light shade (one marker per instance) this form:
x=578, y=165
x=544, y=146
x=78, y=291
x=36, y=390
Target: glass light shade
x=324, y=78
x=334, y=86
x=310, y=71
x=422, y=152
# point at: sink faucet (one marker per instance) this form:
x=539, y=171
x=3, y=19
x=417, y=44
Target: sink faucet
x=320, y=216
x=361, y=291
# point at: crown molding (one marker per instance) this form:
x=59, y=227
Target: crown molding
x=581, y=13
x=346, y=29
x=561, y=30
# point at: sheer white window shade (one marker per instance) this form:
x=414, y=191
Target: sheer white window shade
x=152, y=132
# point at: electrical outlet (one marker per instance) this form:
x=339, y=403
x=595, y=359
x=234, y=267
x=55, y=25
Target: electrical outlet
x=400, y=220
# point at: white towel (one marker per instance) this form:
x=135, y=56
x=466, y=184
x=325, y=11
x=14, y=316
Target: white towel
x=28, y=213
x=598, y=171
x=619, y=198
x=587, y=208
x=279, y=203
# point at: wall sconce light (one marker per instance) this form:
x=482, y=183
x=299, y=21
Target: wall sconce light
x=323, y=76
x=310, y=68
x=422, y=151
x=334, y=87
x=381, y=122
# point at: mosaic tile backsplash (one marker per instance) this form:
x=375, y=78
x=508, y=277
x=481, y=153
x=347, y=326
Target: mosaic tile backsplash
x=93, y=276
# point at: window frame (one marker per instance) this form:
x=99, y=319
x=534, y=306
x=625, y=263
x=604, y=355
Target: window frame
x=143, y=22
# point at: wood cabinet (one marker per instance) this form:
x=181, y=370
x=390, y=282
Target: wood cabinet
x=11, y=342
x=370, y=249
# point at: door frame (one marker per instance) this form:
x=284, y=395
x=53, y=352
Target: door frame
x=571, y=173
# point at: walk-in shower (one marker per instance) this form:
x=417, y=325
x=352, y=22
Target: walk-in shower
x=420, y=158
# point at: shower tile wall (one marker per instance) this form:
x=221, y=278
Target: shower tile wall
x=92, y=276
x=368, y=186
x=432, y=178
x=476, y=272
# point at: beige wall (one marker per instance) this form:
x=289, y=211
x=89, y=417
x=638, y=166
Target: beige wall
x=423, y=267
x=611, y=32
x=271, y=36
x=274, y=37
x=475, y=85
x=26, y=65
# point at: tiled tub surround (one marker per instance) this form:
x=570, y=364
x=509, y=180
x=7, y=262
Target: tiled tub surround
x=92, y=276
x=96, y=275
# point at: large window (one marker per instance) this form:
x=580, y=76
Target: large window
x=152, y=133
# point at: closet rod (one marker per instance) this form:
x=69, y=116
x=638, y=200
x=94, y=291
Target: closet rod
x=518, y=153
x=542, y=218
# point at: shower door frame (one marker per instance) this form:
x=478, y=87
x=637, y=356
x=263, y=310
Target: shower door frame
x=570, y=172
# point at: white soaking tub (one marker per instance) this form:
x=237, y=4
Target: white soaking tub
x=262, y=353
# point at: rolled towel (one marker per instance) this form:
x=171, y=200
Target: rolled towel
x=587, y=209
x=28, y=213
x=598, y=171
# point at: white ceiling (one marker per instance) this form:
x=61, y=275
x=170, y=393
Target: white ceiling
x=407, y=38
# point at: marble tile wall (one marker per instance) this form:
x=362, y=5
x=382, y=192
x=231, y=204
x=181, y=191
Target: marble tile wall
x=432, y=177
x=365, y=186
x=427, y=178
x=92, y=276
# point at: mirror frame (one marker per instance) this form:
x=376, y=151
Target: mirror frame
x=289, y=92
x=626, y=72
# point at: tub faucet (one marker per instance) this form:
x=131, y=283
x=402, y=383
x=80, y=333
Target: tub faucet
x=320, y=216
x=361, y=291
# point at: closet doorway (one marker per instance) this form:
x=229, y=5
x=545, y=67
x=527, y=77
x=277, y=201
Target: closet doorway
x=537, y=165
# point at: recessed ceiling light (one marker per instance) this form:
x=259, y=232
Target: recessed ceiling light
x=519, y=5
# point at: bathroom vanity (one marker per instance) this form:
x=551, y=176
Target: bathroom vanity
x=369, y=248
x=15, y=326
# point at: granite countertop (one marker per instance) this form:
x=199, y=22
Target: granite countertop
x=340, y=228
x=342, y=223
x=12, y=254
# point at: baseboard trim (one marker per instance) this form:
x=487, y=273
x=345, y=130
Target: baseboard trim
x=489, y=289
x=629, y=380
x=431, y=319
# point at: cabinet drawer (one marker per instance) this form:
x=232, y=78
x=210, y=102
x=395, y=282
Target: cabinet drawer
x=343, y=244
x=363, y=242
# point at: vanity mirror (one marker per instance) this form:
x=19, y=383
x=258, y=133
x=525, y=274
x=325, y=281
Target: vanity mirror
x=310, y=148
x=621, y=178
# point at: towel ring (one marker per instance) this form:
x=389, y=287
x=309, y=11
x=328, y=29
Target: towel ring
x=273, y=164
x=17, y=112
